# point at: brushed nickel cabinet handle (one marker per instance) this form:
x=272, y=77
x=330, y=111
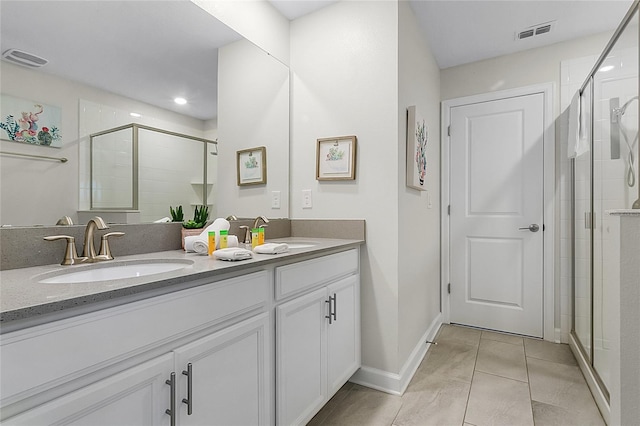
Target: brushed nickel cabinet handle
x=189, y=399
x=335, y=306
x=172, y=411
x=330, y=316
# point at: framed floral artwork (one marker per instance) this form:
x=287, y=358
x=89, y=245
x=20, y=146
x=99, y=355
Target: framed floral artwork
x=336, y=158
x=29, y=122
x=252, y=166
x=417, y=137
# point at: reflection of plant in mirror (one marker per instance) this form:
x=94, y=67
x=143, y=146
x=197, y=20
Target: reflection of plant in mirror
x=176, y=215
x=200, y=217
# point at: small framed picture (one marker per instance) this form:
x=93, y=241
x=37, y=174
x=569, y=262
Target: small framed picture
x=252, y=166
x=336, y=158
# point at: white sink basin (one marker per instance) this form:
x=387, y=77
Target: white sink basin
x=114, y=270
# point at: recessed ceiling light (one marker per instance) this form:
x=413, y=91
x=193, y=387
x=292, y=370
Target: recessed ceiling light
x=180, y=101
x=606, y=68
x=135, y=114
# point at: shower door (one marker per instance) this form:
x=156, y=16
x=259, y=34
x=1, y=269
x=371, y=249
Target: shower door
x=582, y=237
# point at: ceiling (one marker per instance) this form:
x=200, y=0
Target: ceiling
x=128, y=47
x=152, y=51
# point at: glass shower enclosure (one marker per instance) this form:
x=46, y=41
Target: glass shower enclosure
x=604, y=178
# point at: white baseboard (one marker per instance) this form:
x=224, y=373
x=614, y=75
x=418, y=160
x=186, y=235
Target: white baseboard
x=598, y=395
x=394, y=383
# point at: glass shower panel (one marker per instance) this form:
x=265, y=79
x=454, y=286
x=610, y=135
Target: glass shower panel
x=112, y=170
x=171, y=174
x=615, y=176
x=582, y=239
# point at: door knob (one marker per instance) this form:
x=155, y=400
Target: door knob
x=533, y=228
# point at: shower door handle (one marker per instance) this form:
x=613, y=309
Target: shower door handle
x=534, y=227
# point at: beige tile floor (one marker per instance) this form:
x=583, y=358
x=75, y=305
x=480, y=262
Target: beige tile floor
x=475, y=377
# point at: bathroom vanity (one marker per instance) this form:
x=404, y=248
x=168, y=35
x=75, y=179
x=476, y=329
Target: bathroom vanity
x=263, y=341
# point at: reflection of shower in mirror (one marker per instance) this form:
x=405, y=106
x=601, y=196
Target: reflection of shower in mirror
x=617, y=123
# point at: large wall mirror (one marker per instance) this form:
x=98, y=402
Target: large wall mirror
x=116, y=63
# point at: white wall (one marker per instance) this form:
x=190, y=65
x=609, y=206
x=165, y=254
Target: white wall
x=256, y=20
x=419, y=217
x=253, y=99
x=42, y=191
x=345, y=82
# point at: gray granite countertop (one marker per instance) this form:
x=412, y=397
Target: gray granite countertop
x=24, y=297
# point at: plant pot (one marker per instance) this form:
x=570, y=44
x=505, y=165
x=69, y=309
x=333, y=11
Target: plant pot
x=188, y=232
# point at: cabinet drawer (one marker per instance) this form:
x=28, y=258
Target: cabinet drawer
x=298, y=277
x=39, y=358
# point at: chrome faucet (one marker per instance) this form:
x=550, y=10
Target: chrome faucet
x=89, y=250
x=258, y=219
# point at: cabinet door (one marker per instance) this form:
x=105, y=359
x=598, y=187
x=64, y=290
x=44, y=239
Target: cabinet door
x=230, y=376
x=301, y=353
x=137, y=396
x=344, y=332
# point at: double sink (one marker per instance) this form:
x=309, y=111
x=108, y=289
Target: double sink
x=114, y=270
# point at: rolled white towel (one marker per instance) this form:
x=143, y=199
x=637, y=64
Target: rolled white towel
x=271, y=248
x=200, y=246
x=189, y=240
x=163, y=220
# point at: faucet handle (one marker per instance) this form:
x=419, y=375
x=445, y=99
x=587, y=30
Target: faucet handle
x=105, y=250
x=70, y=253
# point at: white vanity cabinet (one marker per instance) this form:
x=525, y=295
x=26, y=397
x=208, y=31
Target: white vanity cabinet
x=317, y=333
x=229, y=376
x=137, y=396
x=111, y=367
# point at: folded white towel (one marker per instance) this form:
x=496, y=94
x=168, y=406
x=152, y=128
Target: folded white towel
x=578, y=142
x=271, y=248
x=233, y=253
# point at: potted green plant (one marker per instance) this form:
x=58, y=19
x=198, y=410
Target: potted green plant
x=176, y=214
x=195, y=225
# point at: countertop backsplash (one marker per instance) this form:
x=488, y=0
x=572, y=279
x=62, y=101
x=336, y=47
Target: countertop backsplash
x=23, y=247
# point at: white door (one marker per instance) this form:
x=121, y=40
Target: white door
x=496, y=229
x=137, y=396
x=229, y=376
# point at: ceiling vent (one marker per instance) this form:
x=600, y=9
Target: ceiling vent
x=23, y=58
x=535, y=30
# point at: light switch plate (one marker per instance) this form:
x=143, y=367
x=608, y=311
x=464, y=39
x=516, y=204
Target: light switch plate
x=306, y=199
x=275, y=199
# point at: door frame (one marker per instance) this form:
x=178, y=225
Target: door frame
x=550, y=332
